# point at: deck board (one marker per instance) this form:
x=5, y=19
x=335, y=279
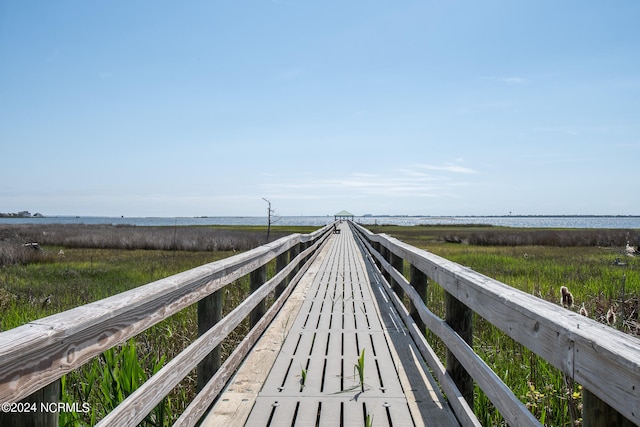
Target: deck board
x=344, y=312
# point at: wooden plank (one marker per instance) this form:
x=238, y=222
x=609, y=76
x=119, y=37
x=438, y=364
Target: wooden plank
x=135, y=407
x=307, y=413
x=330, y=414
x=332, y=395
x=500, y=395
x=333, y=379
x=580, y=347
x=235, y=404
x=282, y=416
x=424, y=399
x=464, y=412
x=204, y=398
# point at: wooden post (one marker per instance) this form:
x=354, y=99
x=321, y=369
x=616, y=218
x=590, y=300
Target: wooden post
x=397, y=263
x=209, y=313
x=257, y=278
x=596, y=413
x=376, y=247
x=281, y=262
x=460, y=318
x=293, y=253
x=44, y=414
x=386, y=254
x=303, y=247
x=418, y=281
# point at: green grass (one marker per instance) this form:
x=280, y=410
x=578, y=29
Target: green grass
x=56, y=283
x=87, y=275
x=36, y=290
x=359, y=368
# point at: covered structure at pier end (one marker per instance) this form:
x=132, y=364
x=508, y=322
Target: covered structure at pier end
x=342, y=215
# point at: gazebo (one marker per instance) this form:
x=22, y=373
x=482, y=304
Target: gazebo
x=342, y=215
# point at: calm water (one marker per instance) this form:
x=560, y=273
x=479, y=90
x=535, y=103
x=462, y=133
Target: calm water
x=511, y=221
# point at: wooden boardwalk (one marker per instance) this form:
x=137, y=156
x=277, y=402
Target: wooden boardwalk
x=302, y=371
x=323, y=307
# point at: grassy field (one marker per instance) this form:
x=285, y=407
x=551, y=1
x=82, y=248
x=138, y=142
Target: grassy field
x=592, y=264
x=80, y=264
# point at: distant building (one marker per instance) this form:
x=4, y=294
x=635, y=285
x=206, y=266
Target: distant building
x=342, y=215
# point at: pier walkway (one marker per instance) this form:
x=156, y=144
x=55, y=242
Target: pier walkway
x=338, y=315
x=340, y=327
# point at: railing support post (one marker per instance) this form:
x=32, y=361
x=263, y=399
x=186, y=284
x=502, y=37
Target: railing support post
x=418, y=281
x=293, y=253
x=460, y=318
x=281, y=262
x=257, y=278
x=209, y=313
x=378, y=248
x=38, y=417
x=596, y=413
x=386, y=254
x=397, y=263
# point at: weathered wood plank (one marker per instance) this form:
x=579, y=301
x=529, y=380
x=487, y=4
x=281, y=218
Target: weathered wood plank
x=262, y=355
x=514, y=412
x=332, y=389
x=235, y=404
x=33, y=355
x=135, y=407
x=580, y=347
x=461, y=408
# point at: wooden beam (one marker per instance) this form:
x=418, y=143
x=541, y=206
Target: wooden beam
x=514, y=411
x=281, y=262
x=418, y=281
x=604, y=361
x=460, y=318
x=209, y=313
x=257, y=278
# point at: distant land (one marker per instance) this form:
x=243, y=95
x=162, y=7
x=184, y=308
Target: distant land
x=22, y=214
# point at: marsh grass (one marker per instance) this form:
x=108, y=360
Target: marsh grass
x=589, y=272
x=62, y=277
x=130, y=237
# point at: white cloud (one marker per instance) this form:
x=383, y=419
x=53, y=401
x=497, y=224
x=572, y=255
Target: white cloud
x=449, y=167
x=514, y=80
x=418, y=181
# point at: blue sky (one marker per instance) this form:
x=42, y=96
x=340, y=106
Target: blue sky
x=157, y=108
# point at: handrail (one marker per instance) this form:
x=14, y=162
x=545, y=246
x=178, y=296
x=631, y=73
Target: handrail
x=606, y=362
x=38, y=353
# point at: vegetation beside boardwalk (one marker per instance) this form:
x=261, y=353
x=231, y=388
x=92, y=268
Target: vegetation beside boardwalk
x=78, y=264
x=592, y=264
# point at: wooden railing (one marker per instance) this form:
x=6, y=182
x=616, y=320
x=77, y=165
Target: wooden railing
x=33, y=357
x=604, y=361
